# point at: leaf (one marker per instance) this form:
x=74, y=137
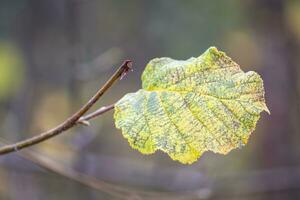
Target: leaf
x=188, y=107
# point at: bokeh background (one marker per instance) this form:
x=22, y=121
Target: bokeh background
x=55, y=54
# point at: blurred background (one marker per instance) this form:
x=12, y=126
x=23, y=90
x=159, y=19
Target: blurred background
x=54, y=55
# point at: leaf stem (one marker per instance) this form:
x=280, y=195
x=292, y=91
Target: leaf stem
x=84, y=119
x=75, y=118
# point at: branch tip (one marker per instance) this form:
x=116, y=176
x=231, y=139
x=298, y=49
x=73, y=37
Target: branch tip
x=127, y=65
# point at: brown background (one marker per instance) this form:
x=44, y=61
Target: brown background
x=54, y=54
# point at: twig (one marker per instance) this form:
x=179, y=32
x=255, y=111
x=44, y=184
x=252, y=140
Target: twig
x=72, y=121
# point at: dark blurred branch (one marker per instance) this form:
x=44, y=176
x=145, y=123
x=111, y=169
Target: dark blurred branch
x=81, y=178
x=74, y=119
x=246, y=185
x=119, y=191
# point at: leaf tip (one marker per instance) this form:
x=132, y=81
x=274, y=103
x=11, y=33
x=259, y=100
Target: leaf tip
x=267, y=110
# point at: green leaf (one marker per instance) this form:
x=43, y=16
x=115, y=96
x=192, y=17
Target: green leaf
x=188, y=107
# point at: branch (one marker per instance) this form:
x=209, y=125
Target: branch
x=73, y=120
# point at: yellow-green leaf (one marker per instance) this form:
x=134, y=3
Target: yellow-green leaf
x=187, y=107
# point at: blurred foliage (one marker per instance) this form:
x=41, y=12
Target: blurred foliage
x=44, y=118
x=190, y=23
x=292, y=14
x=11, y=69
x=240, y=43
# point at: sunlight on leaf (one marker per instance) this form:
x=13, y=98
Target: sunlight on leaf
x=188, y=107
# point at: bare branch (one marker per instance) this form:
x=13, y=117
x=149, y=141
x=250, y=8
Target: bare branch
x=73, y=120
x=116, y=190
